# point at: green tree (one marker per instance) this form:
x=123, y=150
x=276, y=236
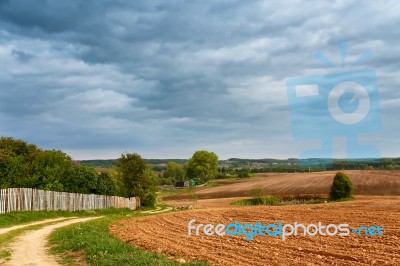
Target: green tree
x=203, y=165
x=137, y=178
x=341, y=187
x=174, y=171
x=108, y=185
x=83, y=179
x=50, y=170
x=16, y=158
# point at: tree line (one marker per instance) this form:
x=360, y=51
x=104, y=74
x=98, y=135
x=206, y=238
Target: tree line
x=26, y=165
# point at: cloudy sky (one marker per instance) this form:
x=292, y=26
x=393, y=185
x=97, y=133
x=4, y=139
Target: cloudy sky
x=167, y=78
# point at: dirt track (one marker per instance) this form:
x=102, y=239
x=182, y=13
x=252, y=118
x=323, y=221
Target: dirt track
x=16, y=227
x=167, y=233
x=30, y=248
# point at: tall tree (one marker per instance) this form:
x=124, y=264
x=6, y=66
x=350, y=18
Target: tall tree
x=203, y=165
x=137, y=178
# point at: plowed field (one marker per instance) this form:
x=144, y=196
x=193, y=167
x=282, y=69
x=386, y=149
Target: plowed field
x=168, y=233
x=364, y=183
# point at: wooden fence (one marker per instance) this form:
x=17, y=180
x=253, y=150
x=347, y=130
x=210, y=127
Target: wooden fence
x=28, y=199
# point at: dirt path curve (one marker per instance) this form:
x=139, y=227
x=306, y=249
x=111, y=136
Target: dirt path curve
x=12, y=228
x=158, y=210
x=30, y=249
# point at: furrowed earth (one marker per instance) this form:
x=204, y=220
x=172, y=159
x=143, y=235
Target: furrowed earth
x=168, y=233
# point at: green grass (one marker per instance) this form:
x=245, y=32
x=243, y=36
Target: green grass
x=17, y=218
x=281, y=200
x=5, y=254
x=93, y=241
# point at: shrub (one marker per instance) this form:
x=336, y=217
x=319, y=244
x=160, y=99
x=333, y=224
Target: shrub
x=256, y=192
x=243, y=174
x=341, y=187
x=148, y=199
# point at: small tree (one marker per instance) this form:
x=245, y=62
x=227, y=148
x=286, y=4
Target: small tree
x=341, y=187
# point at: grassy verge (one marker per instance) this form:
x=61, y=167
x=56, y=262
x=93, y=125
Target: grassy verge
x=281, y=200
x=17, y=218
x=92, y=242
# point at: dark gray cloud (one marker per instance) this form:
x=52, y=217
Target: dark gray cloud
x=98, y=78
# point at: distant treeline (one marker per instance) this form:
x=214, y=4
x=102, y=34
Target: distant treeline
x=274, y=165
x=110, y=162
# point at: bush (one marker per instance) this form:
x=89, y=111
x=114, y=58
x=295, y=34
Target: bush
x=148, y=199
x=341, y=187
x=243, y=174
x=256, y=192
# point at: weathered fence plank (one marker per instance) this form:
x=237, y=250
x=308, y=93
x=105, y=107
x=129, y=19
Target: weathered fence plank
x=28, y=199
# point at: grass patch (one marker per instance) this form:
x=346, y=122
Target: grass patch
x=5, y=254
x=7, y=238
x=280, y=200
x=17, y=218
x=93, y=241
x=342, y=199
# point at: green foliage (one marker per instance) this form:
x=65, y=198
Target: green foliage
x=17, y=218
x=50, y=170
x=196, y=181
x=203, y=165
x=260, y=199
x=264, y=200
x=25, y=165
x=256, y=192
x=174, y=171
x=243, y=174
x=108, y=185
x=99, y=247
x=342, y=187
x=137, y=177
x=83, y=180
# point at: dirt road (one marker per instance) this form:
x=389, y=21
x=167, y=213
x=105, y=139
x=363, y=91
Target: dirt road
x=16, y=227
x=30, y=248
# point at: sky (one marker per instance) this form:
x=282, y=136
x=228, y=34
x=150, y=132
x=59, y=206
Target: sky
x=166, y=78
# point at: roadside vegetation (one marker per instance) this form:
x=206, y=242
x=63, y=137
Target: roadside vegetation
x=92, y=242
x=26, y=165
x=18, y=218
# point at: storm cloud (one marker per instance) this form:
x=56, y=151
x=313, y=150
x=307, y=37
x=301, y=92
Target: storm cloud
x=98, y=78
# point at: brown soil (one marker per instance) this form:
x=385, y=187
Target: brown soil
x=364, y=183
x=168, y=233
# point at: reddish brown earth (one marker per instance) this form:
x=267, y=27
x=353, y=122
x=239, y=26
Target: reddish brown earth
x=364, y=183
x=167, y=233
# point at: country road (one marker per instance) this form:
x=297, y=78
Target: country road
x=30, y=248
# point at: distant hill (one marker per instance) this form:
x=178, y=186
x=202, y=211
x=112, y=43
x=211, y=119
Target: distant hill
x=268, y=163
x=109, y=162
